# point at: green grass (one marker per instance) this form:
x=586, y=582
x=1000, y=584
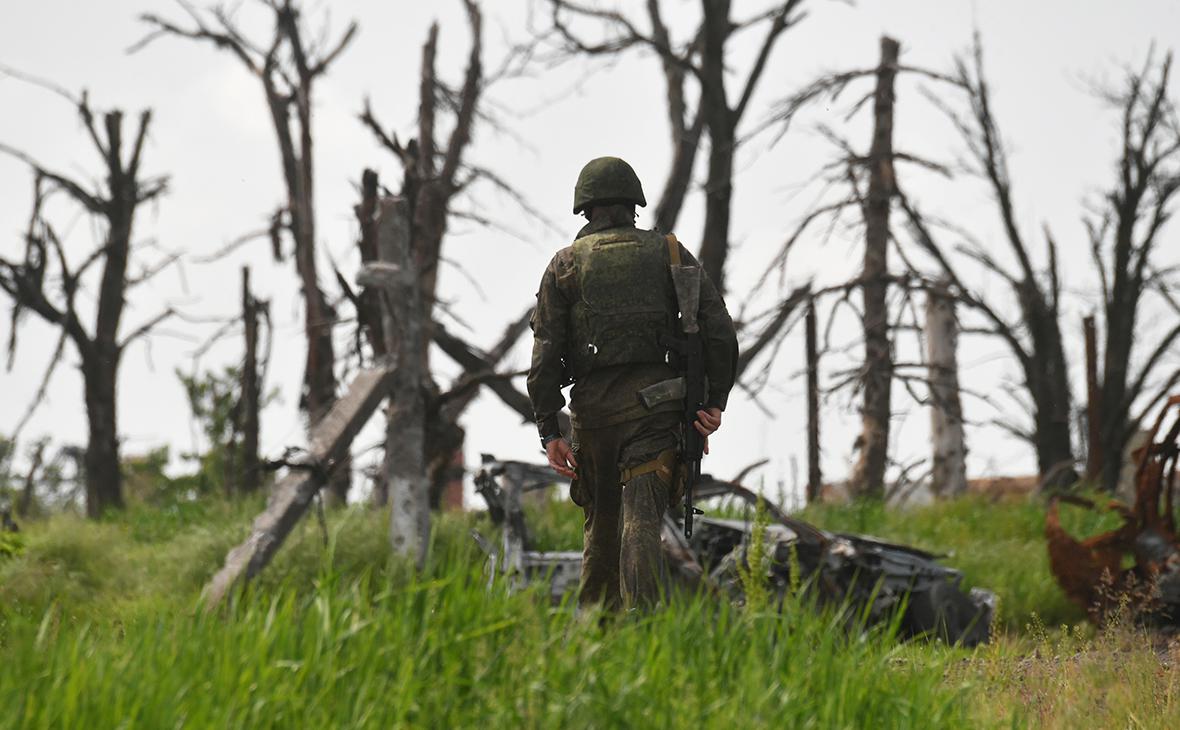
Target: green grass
x=101, y=626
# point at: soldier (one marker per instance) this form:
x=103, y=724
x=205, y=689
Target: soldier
x=605, y=308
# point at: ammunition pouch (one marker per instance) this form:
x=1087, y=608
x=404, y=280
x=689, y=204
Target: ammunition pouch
x=672, y=389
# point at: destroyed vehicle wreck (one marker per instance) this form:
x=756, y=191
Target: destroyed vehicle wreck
x=874, y=577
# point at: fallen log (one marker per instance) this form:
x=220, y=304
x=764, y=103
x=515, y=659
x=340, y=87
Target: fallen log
x=330, y=439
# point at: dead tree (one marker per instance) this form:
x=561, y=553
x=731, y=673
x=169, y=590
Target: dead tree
x=404, y=470
x=814, y=472
x=287, y=66
x=435, y=174
x=948, y=477
x=706, y=57
x=877, y=374
x=1094, y=454
x=1126, y=242
x=249, y=476
x=1034, y=338
x=114, y=205
x=868, y=476
x=24, y=507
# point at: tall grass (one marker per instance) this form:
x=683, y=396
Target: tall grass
x=101, y=626
x=376, y=645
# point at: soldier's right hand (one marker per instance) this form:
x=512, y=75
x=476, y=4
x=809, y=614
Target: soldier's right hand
x=561, y=457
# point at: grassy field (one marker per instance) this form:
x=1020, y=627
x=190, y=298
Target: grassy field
x=100, y=626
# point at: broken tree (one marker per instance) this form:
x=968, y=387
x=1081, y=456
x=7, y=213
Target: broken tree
x=114, y=205
x=287, y=66
x=436, y=173
x=948, y=475
x=249, y=476
x=395, y=276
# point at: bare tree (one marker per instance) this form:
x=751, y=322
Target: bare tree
x=114, y=204
x=1125, y=242
x=435, y=174
x=1034, y=338
x=287, y=66
x=706, y=57
x=868, y=475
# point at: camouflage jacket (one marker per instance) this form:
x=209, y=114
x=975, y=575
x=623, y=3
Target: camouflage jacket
x=608, y=396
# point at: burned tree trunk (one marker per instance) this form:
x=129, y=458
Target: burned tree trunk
x=948, y=477
x=814, y=473
x=1093, y=402
x=249, y=474
x=24, y=507
x=405, y=468
x=369, y=302
x=868, y=477
x=103, y=470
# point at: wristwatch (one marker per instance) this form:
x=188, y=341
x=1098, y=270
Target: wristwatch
x=546, y=439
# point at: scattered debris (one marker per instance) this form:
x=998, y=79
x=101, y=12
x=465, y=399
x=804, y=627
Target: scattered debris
x=873, y=576
x=1092, y=572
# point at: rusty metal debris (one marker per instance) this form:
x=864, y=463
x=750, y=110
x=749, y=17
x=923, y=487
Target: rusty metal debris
x=871, y=577
x=1094, y=572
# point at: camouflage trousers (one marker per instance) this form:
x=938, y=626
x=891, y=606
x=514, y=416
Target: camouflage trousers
x=622, y=562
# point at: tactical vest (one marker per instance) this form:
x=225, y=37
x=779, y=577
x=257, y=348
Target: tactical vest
x=626, y=301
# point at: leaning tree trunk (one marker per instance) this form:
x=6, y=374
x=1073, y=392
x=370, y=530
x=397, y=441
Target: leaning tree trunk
x=948, y=477
x=104, y=480
x=868, y=477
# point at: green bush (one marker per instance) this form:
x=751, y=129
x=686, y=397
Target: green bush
x=11, y=544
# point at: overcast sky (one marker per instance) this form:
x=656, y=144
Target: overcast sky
x=212, y=137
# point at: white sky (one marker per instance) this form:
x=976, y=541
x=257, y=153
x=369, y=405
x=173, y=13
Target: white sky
x=212, y=136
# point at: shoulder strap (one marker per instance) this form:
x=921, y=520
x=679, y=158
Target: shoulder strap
x=673, y=249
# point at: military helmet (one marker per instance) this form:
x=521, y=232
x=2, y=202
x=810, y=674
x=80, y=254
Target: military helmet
x=606, y=180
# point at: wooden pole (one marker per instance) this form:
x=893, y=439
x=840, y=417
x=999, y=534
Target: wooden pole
x=814, y=473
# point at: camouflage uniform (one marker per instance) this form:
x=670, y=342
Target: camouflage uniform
x=614, y=431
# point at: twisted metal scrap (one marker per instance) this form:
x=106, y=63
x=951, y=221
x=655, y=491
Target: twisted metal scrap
x=1090, y=571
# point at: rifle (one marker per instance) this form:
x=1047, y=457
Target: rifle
x=687, y=282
